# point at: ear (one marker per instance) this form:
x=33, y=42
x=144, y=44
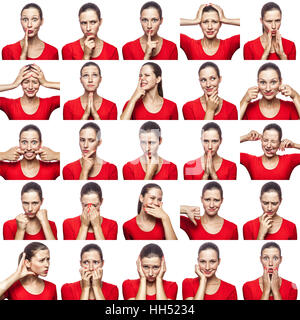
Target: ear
x=27, y=263
x=99, y=142
x=160, y=140
x=161, y=20
x=141, y=198
x=101, y=201
x=220, y=79
x=100, y=22
x=158, y=80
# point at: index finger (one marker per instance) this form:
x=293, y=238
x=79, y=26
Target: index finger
x=88, y=155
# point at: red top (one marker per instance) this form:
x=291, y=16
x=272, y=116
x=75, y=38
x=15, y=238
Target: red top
x=18, y=292
x=193, y=170
x=287, y=111
x=283, y=170
x=252, y=290
x=132, y=231
x=13, y=52
x=14, y=110
x=133, y=170
x=194, y=50
x=10, y=229
x=13, y=171
x=228, y=231
x=73, y=51
x=71, y=228
x=73, y=110
x=130, y=289
x=72, y=291
x=168, y=111
x=193, y=110
x=226, y=290
x=108, y=171
x=287, y=231
x=133, y=51
x=253, y=50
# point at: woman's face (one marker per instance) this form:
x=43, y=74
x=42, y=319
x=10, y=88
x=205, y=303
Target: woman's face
x=270, y=202
x=39, y=263
x=30, y=143
x=270, y=142
x=91, y=260
x=150, y=21
x=208, y=262
x=211, y=141
x=31, y=20
x=211, y=201
x=31, y=203
x=91, y=199
x=152, y=198
x=268, y=83
x=271, y=21
x=270, y=259
x=30, y=87
x=88, y=140
x=90, y=78
x=210, y=24
x=151, y=267
x=149, y=142
x=89, y=23
x=148, y=78
x=209, y=80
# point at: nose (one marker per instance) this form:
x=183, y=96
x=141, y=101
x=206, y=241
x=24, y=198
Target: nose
x=88, y=27
x=211, y=203
x=90, y=79
x=91, y=267
x=150, y=272
x=273, y=25
x=210, y=145
x=85, y=144
x=269, y=206
x=30, y=207
x=209, y=25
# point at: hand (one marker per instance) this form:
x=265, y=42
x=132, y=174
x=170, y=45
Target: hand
x=89, y=45
x=285, y=143
x=139, y=91
x=85, y=217
x=86, y=277
x=199, y=12
x=24, y=52
x=22, y=221
x=140, y=269
x=199, y=273
x=162, y=270
x=275, y=281
x=278, y=45
x=209, y=164
x=287, y=91
x=97, y=277
x=212, y=101
x=152, y=166
x=24, y=73
x=91, y=106
x=88, y=161
x=253, y=136
x=46, y=154
x=22, y=270
x=266, y=281
x=38, y=74
x=42, y=215
x=12, y=154
x=264, y=226
x=155, y=211
x=220, y=11
x=94, y=218
x=193, y=213
x=252, y=93
x=269, y=45
x=150, y=46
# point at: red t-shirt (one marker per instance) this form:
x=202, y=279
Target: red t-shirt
x=193, y=170
x=130, y=289
x=73, y=110
x=257, y=171
x=253, y=50
x=133, y=51
x=252, y=290
x=287, y=111
x=10, y=229
x=13, y=52
x=14, y=110
x=108, y=171
x=194, y=50
x=73, y=51
x=71, y=228
x=13, y=171
x=18, y=292
x=72, y=291
x=287, y=231
x=133, y=170
x=228, y=231
x=168, y=111
x=226, y=290
x=193, y=110
x=132, y=231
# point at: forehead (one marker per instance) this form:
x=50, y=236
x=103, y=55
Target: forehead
x=150, y=12
x=88, y=133
x=154, y=192
x=208, y=254
x=272, y=14
x=268, y=74
x=271, y=134
x=210, y=15
x=147, y=69
x=153, y=261
x=30, y=12
x=271, y=195
x=212, y=193
x=90, y=69
x=271, y=252
x=149, y=135
x=90, y=198
x=89, y=14
x=207, y=72
x=41, y=254
x=91, y=255
x=30, y=195
x=210, y=134
x=30, y=135
x=32, y=79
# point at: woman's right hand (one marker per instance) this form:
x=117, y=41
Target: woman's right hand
x=264, y=226
x=199, y=12
x=212, y=101
x=88, y=161
x=24, y=73
x=139, y=91
x=89, y=45
x=86, y=277
x=268, y=46
x=193, y=213
x=253, y=136
x=22, y=270
x=12, y=154
x=199, y=273
x=140, y=269
x=252, y=93
x=22, y=221
x=85, y=217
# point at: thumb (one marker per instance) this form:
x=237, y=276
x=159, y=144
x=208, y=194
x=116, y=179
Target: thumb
x=20, y=151
x=194, y=221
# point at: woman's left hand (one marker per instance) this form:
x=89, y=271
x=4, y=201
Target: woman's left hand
x=94, y=216
x=212, y=101
x=278, y=45
x=287, y=91
x=275, y=281
x=42, y=215
x=97, y=277
x=38, y=74
x=46, y=154
x=286, y=144
x=163, y=269
x=220, y=12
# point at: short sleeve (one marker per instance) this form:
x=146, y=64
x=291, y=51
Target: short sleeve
x=113, y=172
x=233, y=294
x=187, y=289
x=128, y=173
x=184, y=224
x=247, y=52
x=173, y=173
x=292, y=53
x=67, y=112
x=293, y=293
x=113, y=114
x=67, y=173
x=66, y=292
x=234, y=44
x=114, y=294
x=68, y=231
x=171, y=292
x=8, y=233
x=128, y=290
x=232, y=172
x=113, y=232
x=247, y=233
x=188, y=112
x=174, y=53
x=174, y=114
x=67, y=52
x=233, y=115
x=6, y=54
x=126, y=232
x=185, y=43
x=245, y=160
x=53, y=228
x=235, y=234
x=55, y=103
x=247, y=293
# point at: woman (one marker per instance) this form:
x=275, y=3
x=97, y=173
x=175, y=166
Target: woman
x=270, y=165
x=209, y=106
x=207, y=286
x=150, y=46
x=90, y=105
x=30, y=106
x=210, y=165
x=269, y=84
x=91, y=286
x=29, y=167
x=33, y=224
x=151, y=222
x=270, y=45
x=270, y=286
x=210, y=17
x=25, y=282
x=31, y=47
x=210, y=226
x=90, y=46
x=270, y=226
x=151, y=267
x=147, y=102
x=90, y=166
x=90, y=225
x=150, y=166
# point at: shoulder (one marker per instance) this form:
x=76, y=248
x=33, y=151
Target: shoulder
x=131, y=44
x=72, y=44
x=227, y=286
x=109, y=221
x=72, y=220
x=287, y=42
x=133, y=283
x=105, y=102
x=168, y=44
x=251, y=222
x=133, y=163
x=251, y=284
x=73, y=101
x=228, y=163
x=169, y=284
x=129, y=223
x=12, y=46
x=45, y=164
x=70, y=285
x=109, y=47
x=252, y=42
x=193, y=163
x=73, y=164
x=195, y=102
x=235, y=38
x=49, y=47
x=229, y=224
x=49, y=285
x=286, y=104
x=226, y=104
x=169, y=103
x=288, y=223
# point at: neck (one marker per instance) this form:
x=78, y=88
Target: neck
x=212, y=279
x=153, y=38
x=33, y=40
x=268, y=103
x=151, y=284
x=145, y=217
x=151, y=95
x=30, y=163
x=34, y=222
x=30, y=279
x=86, y=95
x=206, y=42
x=29, y=100
x=206, y=218
x=270, y=159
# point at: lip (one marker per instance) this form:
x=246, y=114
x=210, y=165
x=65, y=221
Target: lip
x=269, y=213
x=270, y=270
x=29, y=154
x=210, y=33
x=30, y=31
x=269, y=93
x=85, y=151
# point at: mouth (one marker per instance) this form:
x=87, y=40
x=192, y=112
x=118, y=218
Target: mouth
x=269, y=151
x=269, y=93
x=210, y=33
x=30, y=31
x=143, y=84
x=85, y=151
x=270, y=270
